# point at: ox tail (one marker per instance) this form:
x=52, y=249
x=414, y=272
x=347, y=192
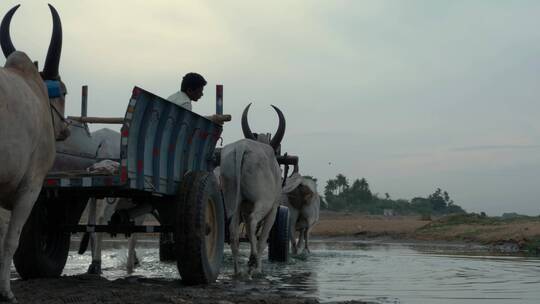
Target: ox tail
x=238, y=160
x=239, y=155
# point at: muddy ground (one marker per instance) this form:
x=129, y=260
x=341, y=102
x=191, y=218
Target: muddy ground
x=90, y=289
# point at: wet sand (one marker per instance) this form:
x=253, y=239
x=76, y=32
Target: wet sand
x=87, y=289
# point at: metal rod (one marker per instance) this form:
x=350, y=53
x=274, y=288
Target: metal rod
x=103, y=120
x=84, y=101
x=117, y=228
x=219, y=99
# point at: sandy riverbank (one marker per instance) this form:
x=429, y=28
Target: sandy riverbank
x=524, y=233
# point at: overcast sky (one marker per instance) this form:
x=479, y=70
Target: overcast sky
x=412, y=95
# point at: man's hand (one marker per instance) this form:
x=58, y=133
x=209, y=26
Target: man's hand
x=219, y=119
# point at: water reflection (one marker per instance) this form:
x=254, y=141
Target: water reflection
x=381, y=273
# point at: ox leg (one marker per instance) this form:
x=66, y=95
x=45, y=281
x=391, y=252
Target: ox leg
x=301, y=239
x=105, y=211
x=307, y=232
x=258, y=246
x=132, y=256
x=132, y=260
x=234, y=235
x=251, y=230
x=4, y=222
x=267, y=227
x=95, y=266
x=22, y=206
x=293, y=217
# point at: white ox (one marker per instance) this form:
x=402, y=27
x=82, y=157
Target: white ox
x=303, y=201
x=30, y=122
x=108, y=142
x=251, y=183
x=105, y=208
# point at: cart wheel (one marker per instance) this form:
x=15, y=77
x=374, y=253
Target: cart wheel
x=278, y=241
x=199, y=231
x=166, y=247
x=43, y=247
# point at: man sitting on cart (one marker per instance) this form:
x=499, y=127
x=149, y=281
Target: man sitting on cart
x=191, y=89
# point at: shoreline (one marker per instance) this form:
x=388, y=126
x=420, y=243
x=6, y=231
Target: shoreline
x=519, y=236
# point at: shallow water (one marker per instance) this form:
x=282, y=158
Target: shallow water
x=380, y=273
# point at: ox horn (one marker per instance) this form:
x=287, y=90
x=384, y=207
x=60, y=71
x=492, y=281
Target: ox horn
x=276, y=139
x=52, y=61
x=5, y=38
x=245, y=125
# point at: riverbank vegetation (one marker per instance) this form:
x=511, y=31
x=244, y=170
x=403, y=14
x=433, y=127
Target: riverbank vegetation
x=358, y=197
x=352, y=209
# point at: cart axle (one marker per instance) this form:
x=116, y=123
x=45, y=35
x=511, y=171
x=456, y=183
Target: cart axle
x=116, y=229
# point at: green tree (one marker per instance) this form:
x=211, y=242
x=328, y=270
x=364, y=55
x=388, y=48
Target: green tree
x=330, y=188
x=342, y=183
x=438, y=202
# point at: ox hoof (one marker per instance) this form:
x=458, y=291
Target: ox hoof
x=257, y=274
x=241, y=275
x=8, y=297
x=95, y=268
x=252, y=261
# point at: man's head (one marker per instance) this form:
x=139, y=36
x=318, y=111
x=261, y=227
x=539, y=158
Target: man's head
x=193, y=85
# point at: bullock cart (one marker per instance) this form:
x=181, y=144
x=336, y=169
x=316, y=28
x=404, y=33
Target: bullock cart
x=167, y=155
x=166, y=163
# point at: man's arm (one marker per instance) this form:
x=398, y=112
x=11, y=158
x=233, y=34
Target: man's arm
x=219, y=119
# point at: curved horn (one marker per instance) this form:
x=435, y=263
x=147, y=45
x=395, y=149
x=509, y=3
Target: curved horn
x=276, y=139
x=245, y=125
x=5, y=38
x=52, y=61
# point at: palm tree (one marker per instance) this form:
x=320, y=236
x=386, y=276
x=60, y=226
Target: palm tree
x=342, y=183
x=331, y=187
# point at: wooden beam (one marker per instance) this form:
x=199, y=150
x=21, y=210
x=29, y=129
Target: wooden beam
x=102, y=120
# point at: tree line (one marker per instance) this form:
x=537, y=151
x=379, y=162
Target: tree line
x=342, y=196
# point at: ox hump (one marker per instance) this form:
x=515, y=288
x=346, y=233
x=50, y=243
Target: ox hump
x=22, y=63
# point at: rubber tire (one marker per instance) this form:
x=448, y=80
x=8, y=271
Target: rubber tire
x=194, y=264
x=43, y=248
x=166, y=247
x=278, y=241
